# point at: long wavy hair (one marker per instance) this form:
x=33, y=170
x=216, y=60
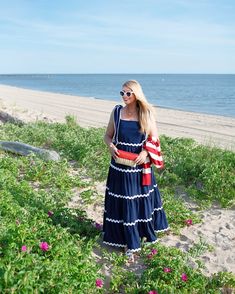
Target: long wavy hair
x=146, y=113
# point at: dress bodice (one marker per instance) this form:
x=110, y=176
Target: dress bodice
x=127, y=133
x=129, y=136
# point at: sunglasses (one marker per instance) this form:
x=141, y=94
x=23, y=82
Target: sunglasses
x=128, y=93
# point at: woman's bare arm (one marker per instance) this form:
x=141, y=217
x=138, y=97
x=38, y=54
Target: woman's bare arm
x=109, y=136
x=154, y=130
x=109, y=130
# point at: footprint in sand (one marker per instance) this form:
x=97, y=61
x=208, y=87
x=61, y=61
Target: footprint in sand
x=184, y=238
x=205, y=258
x=230, y=260
x=215, y=212
x=228, y=226
x=178, y=245
x=183, y=246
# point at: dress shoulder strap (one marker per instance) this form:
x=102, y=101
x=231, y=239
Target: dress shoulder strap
x=117, y=111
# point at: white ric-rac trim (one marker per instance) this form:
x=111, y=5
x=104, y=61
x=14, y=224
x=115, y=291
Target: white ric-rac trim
x=114, y=220
x=134, y=250
x=157, y=209
x=128, y=224
x=131, y=197
x=158, y=231
x=114, y=244
x=121, y=245
x=138, y=221
x=118, y=221
x=126, y=170
x=131, y=144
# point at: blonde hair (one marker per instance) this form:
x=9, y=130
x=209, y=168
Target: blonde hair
x=146, y=112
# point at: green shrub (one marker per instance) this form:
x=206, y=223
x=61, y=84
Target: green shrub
x=33, y=199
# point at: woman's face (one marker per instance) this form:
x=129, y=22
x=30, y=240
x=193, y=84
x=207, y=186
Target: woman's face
x=129, y=96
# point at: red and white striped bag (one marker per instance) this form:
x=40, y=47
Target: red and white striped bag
x=152, y=146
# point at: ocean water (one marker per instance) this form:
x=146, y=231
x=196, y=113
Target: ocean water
x=205, y=93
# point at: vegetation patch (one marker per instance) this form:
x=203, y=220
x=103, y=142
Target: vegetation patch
x=46, y=247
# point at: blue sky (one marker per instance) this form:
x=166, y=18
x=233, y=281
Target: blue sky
x=125, y=36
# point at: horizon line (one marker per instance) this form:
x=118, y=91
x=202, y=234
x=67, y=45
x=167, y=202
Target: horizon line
x=118, y=73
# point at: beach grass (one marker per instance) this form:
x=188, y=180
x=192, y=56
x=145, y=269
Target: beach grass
x=33, y=200
x=206, y=173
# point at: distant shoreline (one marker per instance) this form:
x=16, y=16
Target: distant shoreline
x=117, y=101
x=208, y=129
x=212, y=94
x=112, y=73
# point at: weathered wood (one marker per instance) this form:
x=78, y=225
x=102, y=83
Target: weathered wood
x=25, y=150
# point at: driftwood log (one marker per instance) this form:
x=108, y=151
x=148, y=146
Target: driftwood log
x=25, y=150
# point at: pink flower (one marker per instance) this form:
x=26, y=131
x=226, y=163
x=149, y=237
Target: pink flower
x=98, y=226
x=44, y=246
x=188, y=222
x=50, y=213
x=184, y=277
x=152, y=292
x=99, y=283
x=167, y=270
x=17, y=222
x=24, y=248
x=154, y=251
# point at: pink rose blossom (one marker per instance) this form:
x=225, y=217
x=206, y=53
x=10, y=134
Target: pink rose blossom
x=98, y=226
x=184, y=277
x=167, y=270
x=50, y=213
x=99, y=283
x=154, y=251
x=150, y=255
x=152, y=292
x=189, y=222
x=24, y=248
x=44, y=246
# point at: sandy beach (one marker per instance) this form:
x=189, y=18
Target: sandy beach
x=30, y=105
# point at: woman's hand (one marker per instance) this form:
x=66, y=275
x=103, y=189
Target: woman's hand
x=113, y=150
x=141, y=158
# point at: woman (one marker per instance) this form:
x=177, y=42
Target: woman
x=133, y=210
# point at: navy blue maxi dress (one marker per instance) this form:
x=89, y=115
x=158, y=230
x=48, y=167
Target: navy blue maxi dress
x=132, y=211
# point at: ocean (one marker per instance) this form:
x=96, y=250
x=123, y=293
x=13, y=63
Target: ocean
x=205, y=93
